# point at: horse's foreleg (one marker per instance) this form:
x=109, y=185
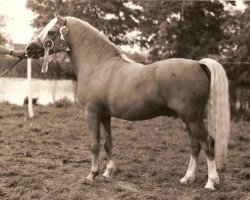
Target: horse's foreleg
x=94, y=129
x=108, y=147
x=190, y=174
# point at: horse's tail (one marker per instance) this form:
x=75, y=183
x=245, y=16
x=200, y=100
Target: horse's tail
x=218, y=112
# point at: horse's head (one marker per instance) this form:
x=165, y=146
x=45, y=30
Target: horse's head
x=50, y=39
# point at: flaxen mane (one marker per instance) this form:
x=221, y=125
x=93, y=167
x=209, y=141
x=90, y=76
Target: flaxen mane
x=94, y=44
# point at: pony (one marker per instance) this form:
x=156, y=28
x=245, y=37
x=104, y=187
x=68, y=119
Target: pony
x=110, y=85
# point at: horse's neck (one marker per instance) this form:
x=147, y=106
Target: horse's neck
x=88, y=52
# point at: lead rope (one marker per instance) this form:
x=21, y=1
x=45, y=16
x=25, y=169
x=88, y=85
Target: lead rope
x=14, y=64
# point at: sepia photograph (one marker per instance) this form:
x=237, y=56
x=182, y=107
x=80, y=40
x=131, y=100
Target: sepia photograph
x=124, y=100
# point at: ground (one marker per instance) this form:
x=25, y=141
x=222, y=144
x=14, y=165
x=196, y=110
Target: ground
x=47, y=157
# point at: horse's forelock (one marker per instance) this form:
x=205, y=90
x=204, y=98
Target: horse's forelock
x=49, y=26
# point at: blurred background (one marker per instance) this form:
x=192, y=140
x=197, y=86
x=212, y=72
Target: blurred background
x=147, y=31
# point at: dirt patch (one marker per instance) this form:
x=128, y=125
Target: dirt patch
x=47, y=157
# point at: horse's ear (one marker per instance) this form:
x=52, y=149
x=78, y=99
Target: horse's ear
x=60, y=19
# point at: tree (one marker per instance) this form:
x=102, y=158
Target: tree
x=2, y=36
x=237, y=45
x=114, y=17
x=190, y=29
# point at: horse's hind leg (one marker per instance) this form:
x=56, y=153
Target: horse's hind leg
x=198, y=131
x=106, y=122
x=213, y=177
x=208, y=145
x=94, y=128
x=190, y=174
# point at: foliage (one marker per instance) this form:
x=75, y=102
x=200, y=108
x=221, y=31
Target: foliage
x=193, y=23
x=2, y=36
x=114, y=18
x=63, y=103
x=238, y=44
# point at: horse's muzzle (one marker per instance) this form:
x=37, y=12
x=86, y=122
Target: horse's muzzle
x=34, y=50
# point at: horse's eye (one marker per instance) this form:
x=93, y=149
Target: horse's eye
x=51, y=33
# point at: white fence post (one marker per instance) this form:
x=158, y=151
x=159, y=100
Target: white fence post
x=30, y=106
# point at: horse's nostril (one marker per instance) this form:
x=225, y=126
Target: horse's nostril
x=28, y=48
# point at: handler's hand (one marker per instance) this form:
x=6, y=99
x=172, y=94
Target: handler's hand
x=18, y=54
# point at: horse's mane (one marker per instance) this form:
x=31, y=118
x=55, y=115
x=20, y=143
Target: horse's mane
x=92, y=42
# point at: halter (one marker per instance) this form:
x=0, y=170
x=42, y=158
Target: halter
x=50, y=44
x=63, y=30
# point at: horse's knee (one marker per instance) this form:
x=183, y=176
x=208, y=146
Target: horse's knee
x=95, y=148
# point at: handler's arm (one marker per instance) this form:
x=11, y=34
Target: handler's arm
x=4, y=50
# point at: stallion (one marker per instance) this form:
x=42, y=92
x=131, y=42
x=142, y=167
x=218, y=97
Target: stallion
x=110, y=85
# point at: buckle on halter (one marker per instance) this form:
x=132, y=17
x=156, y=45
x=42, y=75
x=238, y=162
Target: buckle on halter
x=48, y=44
x=64, y=30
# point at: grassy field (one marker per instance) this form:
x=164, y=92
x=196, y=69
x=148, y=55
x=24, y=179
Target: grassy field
x=47, y=157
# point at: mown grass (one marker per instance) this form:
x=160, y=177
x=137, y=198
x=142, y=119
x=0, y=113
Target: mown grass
x=48, y=157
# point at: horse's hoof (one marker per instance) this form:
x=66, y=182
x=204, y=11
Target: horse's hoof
x=107, y=174
x=109, y=170
x=91, y=176
x=186, y=180
x=210, y=185
x=211, y=182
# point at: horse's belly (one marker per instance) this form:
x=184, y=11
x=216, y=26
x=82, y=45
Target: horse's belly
x=139, y=110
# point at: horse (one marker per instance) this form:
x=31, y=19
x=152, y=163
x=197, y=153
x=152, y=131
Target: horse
x=110, y=85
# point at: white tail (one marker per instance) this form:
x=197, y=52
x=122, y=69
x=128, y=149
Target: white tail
x=218, y=112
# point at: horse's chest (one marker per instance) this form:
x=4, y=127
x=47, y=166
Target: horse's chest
x=81, y=95
x=91, y=93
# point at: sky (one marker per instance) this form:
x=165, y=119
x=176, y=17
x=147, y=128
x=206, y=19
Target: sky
x=18, y=21
x=19, y=18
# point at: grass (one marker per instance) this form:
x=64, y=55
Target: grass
x=48, y=157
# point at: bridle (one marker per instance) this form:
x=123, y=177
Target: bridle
x=48, y=44
x=63, y=32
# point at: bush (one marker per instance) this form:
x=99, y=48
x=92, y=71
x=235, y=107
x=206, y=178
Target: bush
x=63, y=103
